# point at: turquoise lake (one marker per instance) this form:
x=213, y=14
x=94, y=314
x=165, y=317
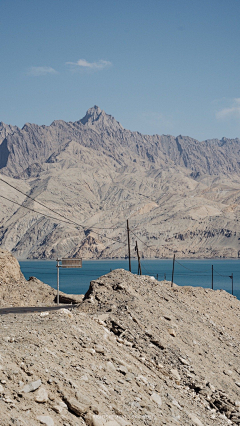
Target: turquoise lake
x=187, y=272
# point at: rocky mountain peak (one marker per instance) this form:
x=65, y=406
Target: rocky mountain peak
x=92, y=114
x=6, y=129
x=98, y=118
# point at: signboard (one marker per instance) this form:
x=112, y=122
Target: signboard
x=67, y=262
x=71, y=263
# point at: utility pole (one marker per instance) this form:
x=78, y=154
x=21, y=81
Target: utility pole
x=231, y=276
x=58, y=266
x=212, y=277
x=173, y=269
x=139, y=263
x=129, y=253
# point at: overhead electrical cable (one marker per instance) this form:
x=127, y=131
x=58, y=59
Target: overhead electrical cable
x=145, y=268
x=52, y=210
x=35, y=211
x=59, y=220
x=60, y=214
x=225, y=276
x=192, y=270
x=142, y=240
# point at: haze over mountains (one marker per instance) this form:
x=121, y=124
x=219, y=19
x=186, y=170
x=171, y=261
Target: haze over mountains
x=180, y=195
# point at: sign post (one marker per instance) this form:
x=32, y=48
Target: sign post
x=58, y=266
x=231, y=276
x=67, y=262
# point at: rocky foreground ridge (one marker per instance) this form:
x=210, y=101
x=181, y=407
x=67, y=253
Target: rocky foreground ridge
x=134, y=352
x=180, y=195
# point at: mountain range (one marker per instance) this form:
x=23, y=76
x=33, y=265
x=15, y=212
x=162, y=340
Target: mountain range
x=180, y=195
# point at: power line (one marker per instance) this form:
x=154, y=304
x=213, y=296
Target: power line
x=43, y=214
x=33, y=199
x=46, y=215
x=141, y=240
x=68, y=220
x=145, y=268
x=225, y=276
x=59, y=220
x=49, y=208
x=192, y=270
x=35, y=211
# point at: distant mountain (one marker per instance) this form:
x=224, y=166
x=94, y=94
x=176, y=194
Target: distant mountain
x=21, y=148
x=182, y=195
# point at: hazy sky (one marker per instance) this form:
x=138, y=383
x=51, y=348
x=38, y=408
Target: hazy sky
x=157, y=66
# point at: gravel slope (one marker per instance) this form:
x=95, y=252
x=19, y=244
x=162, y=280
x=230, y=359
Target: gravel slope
x=135, y=352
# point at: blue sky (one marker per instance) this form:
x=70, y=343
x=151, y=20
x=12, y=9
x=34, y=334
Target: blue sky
x=157, y=66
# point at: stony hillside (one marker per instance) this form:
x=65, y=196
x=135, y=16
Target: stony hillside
x=180, y=195
x=135, y=352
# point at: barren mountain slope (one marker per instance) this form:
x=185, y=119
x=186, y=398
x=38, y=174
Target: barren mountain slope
x=180, y=195
x=135, y=352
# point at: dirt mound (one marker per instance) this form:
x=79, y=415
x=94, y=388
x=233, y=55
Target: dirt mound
x=135, y=352
x=9, y=267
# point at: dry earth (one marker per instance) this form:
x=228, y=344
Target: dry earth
x=135, y=352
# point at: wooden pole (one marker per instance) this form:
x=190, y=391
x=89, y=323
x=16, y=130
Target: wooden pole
x=212, y=277
x=57, y=282
x=173, y=269
x=139, y=262
x=231, y=276
x=129, y=252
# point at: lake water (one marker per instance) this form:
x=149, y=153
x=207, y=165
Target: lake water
x=187, y=272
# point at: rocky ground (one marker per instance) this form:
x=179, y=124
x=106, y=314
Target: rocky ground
x=135, y=351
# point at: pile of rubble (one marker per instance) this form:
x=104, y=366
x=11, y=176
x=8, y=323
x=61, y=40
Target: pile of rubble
x=134, y=352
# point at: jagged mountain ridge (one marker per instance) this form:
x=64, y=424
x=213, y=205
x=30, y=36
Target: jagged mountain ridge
x=21, y=148
x=181, y=195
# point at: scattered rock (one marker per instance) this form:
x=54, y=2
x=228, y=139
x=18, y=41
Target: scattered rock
x=228, y=372
x=31, y=387
x=184, y=361
x=175, y=374
x=41, y=395
x=157, y=398
x=46, y=420
x=106, y=420
x=195, y=419
x=76, y=407
x=122, y=369
x=100, y=349
x=44, y=314
x=66, y=313
x=172, y=332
